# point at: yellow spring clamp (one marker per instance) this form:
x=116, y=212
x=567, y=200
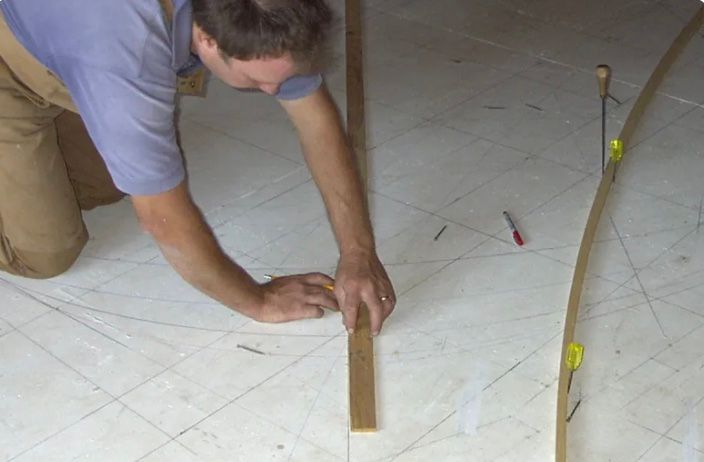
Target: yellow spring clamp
x=616, y=150
x=575, y=354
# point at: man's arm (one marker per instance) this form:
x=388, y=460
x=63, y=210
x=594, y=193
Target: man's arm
x=360, y=275
x=189, y=245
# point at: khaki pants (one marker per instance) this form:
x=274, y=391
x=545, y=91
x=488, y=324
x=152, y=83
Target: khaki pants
x=49, y=168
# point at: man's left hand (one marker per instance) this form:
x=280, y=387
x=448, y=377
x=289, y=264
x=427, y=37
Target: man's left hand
x=361, y=278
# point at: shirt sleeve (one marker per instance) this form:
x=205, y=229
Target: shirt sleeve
x=299, y=86
x=131, y=123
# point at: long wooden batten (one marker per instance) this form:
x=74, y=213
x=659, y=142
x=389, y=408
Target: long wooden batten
x=360, y=346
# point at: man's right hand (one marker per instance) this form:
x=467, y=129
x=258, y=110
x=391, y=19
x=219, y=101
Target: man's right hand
x=301, y=296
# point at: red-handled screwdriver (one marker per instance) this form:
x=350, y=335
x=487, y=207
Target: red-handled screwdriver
x=516, y=235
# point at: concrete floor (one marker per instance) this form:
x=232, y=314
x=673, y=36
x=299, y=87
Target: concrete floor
x=474, y=107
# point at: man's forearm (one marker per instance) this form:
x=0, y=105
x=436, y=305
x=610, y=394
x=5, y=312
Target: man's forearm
x=334, y=169
x=189, y=245
x=200, y=261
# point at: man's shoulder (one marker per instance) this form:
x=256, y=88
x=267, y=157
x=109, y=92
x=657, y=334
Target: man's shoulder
x=128, y=38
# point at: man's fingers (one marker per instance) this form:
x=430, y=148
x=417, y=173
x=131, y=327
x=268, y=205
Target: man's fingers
x=318, y=279
x=388, y=304
x=376, y=316
x=311, y=312
x=324, y=298
x=350, y=309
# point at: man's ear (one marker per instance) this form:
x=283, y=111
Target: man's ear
x=202, y=40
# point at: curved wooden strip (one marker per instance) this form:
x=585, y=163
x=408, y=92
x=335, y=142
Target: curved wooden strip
x=644, y=98
x=360, y=346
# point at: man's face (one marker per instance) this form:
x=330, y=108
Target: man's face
x=265, y=74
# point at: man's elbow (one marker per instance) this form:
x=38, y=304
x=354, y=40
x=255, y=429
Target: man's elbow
x=155, y=226
x=162, y=215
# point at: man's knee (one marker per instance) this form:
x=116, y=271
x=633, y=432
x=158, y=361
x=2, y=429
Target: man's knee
x=41, y=265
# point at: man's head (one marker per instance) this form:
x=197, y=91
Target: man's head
x=260, y=43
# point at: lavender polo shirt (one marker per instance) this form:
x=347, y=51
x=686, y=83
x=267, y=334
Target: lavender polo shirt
x=120, y=64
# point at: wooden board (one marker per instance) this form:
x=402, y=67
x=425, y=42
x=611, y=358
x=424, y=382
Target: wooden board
x=644, y=98
x=356, y=125
x=360, y=350
x=194, y=84
x=360, y=346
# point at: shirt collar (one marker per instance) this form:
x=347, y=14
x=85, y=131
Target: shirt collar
x=181, y=31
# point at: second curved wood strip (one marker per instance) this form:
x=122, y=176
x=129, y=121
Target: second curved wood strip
x=644, y=98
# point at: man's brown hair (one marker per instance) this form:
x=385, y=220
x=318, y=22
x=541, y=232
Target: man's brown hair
x=253, y=29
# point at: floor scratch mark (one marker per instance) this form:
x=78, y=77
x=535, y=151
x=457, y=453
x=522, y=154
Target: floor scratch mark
x=637, y=276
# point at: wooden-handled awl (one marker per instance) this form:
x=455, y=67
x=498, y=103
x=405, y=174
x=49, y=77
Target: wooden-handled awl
x=603, y=76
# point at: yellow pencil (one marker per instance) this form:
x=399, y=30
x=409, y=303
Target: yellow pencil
x=271, y=276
